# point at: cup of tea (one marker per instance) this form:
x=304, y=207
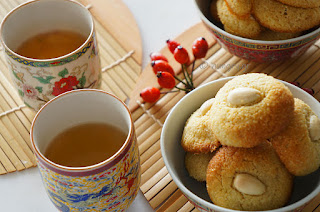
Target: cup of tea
x=50, y=47
x=86, y=150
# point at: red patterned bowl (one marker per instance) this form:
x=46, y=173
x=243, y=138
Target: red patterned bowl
x=256, y=50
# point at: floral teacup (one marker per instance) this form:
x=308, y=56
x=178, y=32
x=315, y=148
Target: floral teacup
x=39, y=80
x=110, y=185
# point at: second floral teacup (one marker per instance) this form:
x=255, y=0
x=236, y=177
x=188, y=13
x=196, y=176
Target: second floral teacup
x=94, y=173
x=39, y=78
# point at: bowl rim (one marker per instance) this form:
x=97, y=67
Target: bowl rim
x=193, y=197
x=247, y=40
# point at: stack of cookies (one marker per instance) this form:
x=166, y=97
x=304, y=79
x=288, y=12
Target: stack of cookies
x=249, y=142
x=266, y=19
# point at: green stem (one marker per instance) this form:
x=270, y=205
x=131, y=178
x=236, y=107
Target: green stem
x=192, y=71
x=186, y=90
x=186, y=75
x=177, y=78
x=172, y=91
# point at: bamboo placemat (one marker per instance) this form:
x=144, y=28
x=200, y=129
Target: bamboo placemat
x=121, y=64
x=156, y=183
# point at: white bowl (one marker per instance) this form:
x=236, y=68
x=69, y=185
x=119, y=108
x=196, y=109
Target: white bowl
x=305, y=188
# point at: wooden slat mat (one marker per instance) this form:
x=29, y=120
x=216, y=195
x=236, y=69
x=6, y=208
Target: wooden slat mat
x=121, y=66
x=156, y=184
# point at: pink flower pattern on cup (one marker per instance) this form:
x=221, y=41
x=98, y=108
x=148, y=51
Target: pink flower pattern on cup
x=29, y=91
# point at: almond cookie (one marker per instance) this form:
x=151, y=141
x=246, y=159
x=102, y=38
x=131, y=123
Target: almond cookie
x=240, y=8
x=245, y=27
x=197, y=136
x=299, y=145
x=196, y=165
x=248, y=178
x=301, y=3
x=283, y=18
x=270, y=35
x=250, y=108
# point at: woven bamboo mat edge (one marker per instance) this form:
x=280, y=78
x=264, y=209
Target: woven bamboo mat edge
x=156, y=183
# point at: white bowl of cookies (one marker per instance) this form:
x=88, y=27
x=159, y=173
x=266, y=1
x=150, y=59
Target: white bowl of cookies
x=248, y=143
x=262, y=30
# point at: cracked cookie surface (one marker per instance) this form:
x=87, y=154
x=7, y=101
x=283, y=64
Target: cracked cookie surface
x=283, y=18
x=247, y=125
x=295, y=147
x=266, y=184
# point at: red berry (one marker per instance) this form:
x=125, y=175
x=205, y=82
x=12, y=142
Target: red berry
x=166, y=80
x=150, y=94
x=295, y=83
x=309, y=91
x=181, y=55
x=158, y=56
x=163, y=66
x=200, y=48
x=172, y=45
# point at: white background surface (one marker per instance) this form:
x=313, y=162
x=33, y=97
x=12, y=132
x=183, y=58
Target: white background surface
x=157, y=21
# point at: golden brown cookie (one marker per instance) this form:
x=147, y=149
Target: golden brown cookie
x=283, y=18
x=299, y=145
x=196, y=165
x=301, y=3
x=249, y=109
x=196, y=136
x=245, y=27
x=248, y=178
x=270, y=35
x=240, y=8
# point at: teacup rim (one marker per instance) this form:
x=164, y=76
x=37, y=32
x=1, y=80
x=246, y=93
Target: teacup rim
x=247, y=40
x=127, y=144
x=51, y=59
x=190, y=195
